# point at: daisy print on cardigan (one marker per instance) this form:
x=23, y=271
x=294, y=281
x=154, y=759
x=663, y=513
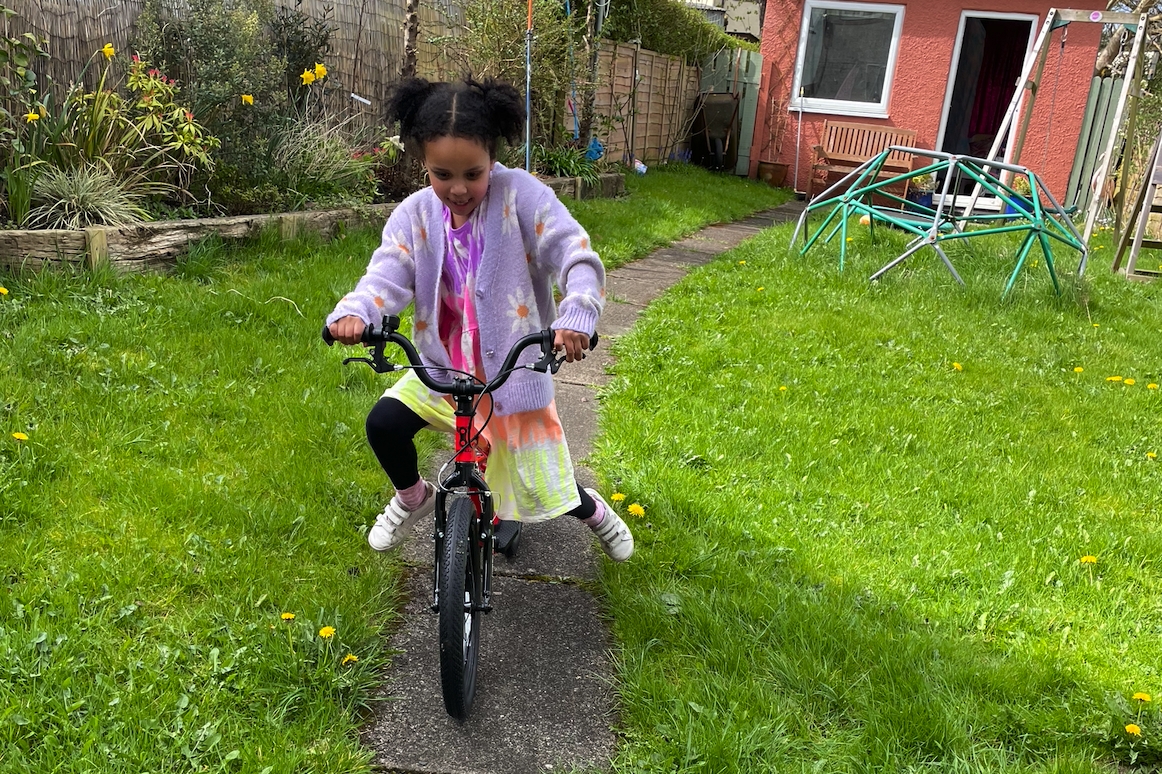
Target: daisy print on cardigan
x=527, y=250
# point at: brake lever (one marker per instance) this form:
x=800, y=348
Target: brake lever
x=378, y=363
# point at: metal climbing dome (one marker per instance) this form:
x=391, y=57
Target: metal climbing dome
x=944, y=220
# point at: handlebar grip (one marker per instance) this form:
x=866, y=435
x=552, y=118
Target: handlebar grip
x=593, y=341
x=327, y=337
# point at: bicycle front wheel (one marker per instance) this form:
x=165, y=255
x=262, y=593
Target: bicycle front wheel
x=460, y=584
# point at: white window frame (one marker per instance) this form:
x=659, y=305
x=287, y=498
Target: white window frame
x=839, y=106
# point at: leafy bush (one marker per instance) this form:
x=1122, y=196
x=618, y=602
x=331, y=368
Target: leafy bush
x=322, y=166
x=87, y=195
x=668, y=27
x=564, y=161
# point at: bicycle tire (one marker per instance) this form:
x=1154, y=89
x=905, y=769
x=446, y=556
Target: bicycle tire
x=459, y=623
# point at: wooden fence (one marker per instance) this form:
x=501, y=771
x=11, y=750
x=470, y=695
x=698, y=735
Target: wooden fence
x=366, y=47
x=645, y=98
x=645, y=101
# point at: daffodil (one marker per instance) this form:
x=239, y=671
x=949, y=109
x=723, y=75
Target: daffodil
x=308, y=77
x=1089, y=559
x=108, y=50
x=288, y=616
x=617, y=497
x=320, y=71
x=1133, y=730
x=636, y=510
x=1143, y=697
x=327, y=632
x=247, y=99
x=31, y=116
x=350, y=658
x=20, y=436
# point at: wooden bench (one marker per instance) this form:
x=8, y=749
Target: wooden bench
x=846, y=145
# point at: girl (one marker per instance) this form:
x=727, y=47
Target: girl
x=478, y=252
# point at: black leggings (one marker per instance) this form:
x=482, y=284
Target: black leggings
x=391, y=426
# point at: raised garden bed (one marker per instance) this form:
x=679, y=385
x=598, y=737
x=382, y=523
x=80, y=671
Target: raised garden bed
x=156, y=245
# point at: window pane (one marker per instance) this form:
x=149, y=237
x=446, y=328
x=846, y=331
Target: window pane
x=847, y=54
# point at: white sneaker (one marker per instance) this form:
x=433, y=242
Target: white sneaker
x=396, y=522
x=616, y=539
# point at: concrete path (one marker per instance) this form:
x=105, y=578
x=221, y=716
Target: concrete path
x=545, y=697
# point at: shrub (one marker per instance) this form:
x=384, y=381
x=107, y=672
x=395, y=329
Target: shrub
x=564, y=161
x=668, y=27
x=87, y=195
x=322, y=166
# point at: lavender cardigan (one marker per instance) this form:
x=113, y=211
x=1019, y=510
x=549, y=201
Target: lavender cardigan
x=530, y=242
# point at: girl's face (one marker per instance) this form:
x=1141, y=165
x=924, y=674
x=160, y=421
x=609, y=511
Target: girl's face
x=458, y=169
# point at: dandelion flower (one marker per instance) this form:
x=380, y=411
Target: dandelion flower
x=1139, y=696
x=1078, y=369
x=327, y=632
x=783, y=388
x=247, y=99
x=761, y=288
x=288, y=616
x=31, y=116
x=20, y=436
x=108, y=50
x=3, y=290
x=320, y=71
x=617, y=497
x=957, y=367
x=1096, y=325
x=350, y=658
x=1129, y=382
x=1151, y=386
x=849, y=239
x=1133, y=730
x=1113, y=378
x=1089, y=559
x=1151, y=455
x=636, y=510
x=742, y=263
x=308, y=77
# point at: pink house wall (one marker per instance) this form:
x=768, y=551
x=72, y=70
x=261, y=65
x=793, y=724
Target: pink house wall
x=917, y=93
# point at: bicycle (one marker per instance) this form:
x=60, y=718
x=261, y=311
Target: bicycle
x=467, y=529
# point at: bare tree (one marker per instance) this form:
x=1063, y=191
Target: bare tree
x=1108, y=61
x=410, y=35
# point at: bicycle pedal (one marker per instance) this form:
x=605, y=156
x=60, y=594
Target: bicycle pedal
x=506, y=538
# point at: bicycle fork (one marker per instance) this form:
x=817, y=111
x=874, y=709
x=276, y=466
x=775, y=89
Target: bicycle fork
x=467, y=480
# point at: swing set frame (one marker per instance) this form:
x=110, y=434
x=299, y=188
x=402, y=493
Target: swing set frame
x=1021, y=106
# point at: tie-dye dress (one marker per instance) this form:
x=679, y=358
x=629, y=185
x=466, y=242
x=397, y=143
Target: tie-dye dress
x=529, y=471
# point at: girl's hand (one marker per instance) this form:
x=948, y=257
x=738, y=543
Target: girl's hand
x=572, y=342
x=347, y=330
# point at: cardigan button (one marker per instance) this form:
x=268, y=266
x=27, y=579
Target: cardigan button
x=489, y=353
x=500, y=407
x=480, y=294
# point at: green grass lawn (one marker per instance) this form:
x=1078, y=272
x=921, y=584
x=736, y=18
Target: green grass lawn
x=183, y=468
x=864, y=526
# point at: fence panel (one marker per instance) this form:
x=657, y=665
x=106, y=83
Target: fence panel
x=366, y=46
x=644, y=102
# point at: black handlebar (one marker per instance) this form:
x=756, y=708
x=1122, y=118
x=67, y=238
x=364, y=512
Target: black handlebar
x=377, y=337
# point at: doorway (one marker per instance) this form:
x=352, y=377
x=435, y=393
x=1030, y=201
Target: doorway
x=987, y=61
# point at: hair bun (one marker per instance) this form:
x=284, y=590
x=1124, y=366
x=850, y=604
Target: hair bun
x=404, y=101
x=505, y=106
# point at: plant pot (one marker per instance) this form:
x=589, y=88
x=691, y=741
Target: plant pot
x=773, y=173
x=921, y=199
x=1023, y=202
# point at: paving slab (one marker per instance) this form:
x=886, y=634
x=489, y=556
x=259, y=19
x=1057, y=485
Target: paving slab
x=616, y=320
x=543, y=698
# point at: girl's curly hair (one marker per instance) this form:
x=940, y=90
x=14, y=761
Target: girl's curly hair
x=485, y=111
